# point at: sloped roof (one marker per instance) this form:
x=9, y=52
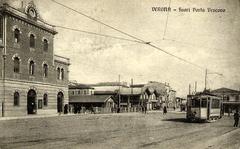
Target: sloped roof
x=104, y=92
x=156, y=88
x=89, y=99
x=79, y=86
x=137, y=85
x=131, y=91
x=124, y=84
x=18, y=9
x=225, y=90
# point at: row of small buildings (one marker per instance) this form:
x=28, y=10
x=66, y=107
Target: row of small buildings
x=109, y=96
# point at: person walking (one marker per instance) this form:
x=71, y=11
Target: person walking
x=236, y=119
x=164, y=110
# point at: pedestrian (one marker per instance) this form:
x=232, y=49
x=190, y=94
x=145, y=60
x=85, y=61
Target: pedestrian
x=145, y=109
x=236, y=119
x=164, y=110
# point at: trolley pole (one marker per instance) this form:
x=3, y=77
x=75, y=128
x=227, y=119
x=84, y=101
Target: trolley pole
x=189, y=89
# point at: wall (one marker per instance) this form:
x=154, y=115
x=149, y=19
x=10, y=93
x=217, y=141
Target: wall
x=40, y=89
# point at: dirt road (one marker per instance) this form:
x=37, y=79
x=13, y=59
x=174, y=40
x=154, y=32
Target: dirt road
x=118, y=131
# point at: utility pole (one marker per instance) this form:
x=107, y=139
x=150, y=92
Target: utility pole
x=131, y=96
x=4, y=55
x=189, y=89
x=119, y=92
x=195, y=87
x=205, y=80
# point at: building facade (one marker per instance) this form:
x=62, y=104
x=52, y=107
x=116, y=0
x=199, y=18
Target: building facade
x=83, y=100
x=33, y=79
x=230, y=99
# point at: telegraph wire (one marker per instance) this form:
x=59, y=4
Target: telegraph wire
x=166, y=24
x=140, y=40
x=179, y=58
x=93, y=33
x=97, y=21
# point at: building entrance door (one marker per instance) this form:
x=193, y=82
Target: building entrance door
x=31, y=102
x=60, y=102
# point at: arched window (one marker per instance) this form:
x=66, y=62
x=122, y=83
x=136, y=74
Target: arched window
x=58, y=73
x=16, y=67
x=62, y=73
x=45, y=70
x=32, y=41
x=45, y=45
x=16, y=35
x=16, y=99
x=31, y=68
x=45, y=100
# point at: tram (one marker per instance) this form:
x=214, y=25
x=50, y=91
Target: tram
x=203, y=107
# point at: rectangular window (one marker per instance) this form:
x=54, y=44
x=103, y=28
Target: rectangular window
x=1, y=30
x=204, y=102
x=39, y=104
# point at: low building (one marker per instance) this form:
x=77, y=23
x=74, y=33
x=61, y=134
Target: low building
x=153, y=95
x=92, y=103
x=130, y=99
x=230, y=99
x=80, y=89
x=82, y=98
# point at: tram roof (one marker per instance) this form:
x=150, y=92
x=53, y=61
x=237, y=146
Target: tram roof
x=204, y=94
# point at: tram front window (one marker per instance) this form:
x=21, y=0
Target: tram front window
x=195, y=103
x=204, y=102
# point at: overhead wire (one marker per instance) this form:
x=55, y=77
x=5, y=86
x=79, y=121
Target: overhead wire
x=93, y=33
x=97, y=20
x=127, y=34
x=166, y=23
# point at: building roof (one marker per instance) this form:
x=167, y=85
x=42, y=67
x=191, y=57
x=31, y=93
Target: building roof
x=124, y=84
x=104, y=92
x=61, y=59
x=137, y=85
x=225, y=90
x=131, y=91
x=89, y=99
x=79, y=86
x=19, y=9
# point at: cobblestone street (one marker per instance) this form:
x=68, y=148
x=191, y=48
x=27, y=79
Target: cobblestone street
x=129, y=130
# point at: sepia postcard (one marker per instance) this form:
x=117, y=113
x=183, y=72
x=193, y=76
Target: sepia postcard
x=119, y=74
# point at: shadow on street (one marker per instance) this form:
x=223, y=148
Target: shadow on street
x=183, y=120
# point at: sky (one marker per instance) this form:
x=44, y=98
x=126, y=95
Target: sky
x=210, y=40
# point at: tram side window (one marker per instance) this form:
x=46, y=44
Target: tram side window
x=215, y=103
x=204, y=103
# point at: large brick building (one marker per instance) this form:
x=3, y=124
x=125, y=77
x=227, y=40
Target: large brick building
x=33, y=79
